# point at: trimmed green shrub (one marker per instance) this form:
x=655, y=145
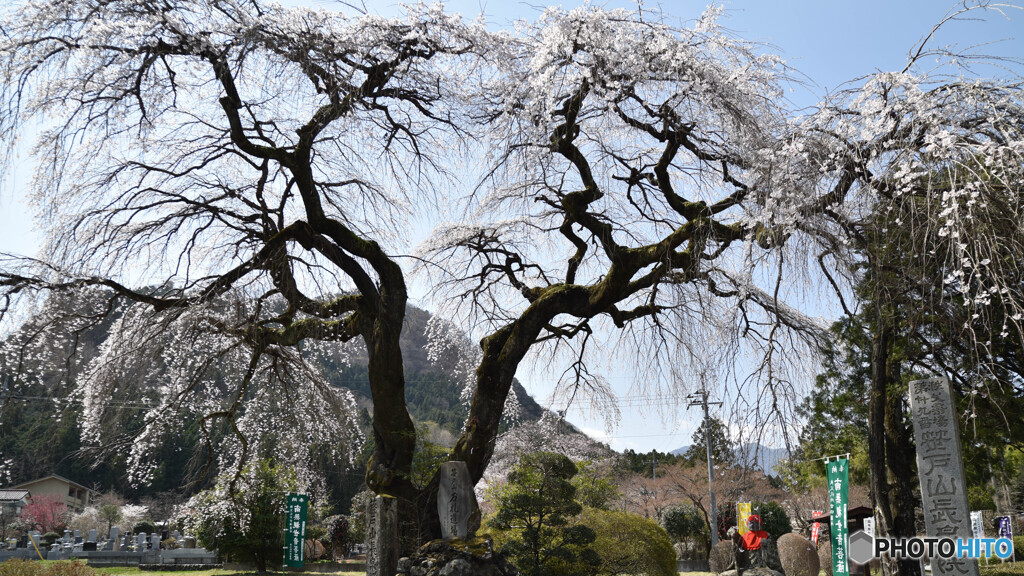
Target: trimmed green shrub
x=721, y=556
x=144, y=527
x=19, y=567
x=684, y=522
x=630, y=544
x=798, y=556
x=23, y=567
x=67, y=568
x=825, y=555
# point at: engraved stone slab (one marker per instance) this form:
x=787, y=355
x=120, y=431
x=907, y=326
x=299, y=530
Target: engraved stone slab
x=92, y=535
x=941, y=470
x=456, y=501
x=382, y=537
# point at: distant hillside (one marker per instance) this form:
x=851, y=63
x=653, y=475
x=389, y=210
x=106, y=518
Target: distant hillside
x=431, y=392
x=34, y=443
x=753, y=455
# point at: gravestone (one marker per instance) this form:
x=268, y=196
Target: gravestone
x=115, y=532
x=941, y=470
x=382, y=537
x=154, y=541
x=88, y=547
x=92, y=536
x=140, y=542
x=78, y=534
x=456, y=501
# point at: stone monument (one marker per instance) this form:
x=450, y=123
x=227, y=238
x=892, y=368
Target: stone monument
x=382, y=537
x=941, y=470
x=456, y=501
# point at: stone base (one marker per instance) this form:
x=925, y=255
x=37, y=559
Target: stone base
x=475, y=557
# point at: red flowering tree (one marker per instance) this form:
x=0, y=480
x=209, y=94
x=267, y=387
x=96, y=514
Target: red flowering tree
x=46, y=513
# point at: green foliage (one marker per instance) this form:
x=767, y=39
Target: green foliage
x=1004, y=569
x=684, y=523
x=723, y=450
x=1017, y=490
x=980, y=498
x=630, y=544
x=144, y=527
x=427, y=458
x=725, y=514
x=338, y=538
x=110, y=513
x=595, y=488
x=536, y=513
x=774, y=519
x=1018, y=548
x=245, y=519
x=836, y=411
x=640, y=463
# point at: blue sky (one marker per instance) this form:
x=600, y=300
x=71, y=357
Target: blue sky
x=827, y=42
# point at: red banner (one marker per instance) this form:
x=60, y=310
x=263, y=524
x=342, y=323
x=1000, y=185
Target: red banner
x=816, y=526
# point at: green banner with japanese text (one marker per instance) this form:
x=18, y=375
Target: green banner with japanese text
x=838, y=473
x=295, y=528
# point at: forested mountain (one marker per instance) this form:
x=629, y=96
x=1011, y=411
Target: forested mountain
x=39, y=412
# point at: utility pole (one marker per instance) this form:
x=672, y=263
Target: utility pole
x=701, y=399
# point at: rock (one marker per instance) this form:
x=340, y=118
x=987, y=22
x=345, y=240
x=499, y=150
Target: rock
x=473, y=557
x=798, y=556
x=404, y=564
x=457, y=567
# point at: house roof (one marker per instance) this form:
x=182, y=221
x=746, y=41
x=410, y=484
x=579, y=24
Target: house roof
x=12, y=495
x=58, y=477
x=858, y=513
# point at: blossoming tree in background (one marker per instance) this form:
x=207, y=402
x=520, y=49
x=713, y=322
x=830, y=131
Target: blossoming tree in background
x=46, y=513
